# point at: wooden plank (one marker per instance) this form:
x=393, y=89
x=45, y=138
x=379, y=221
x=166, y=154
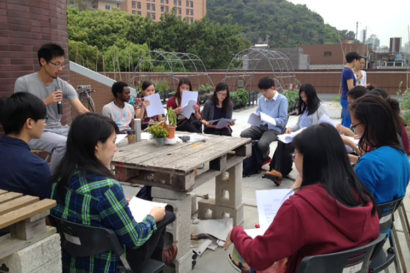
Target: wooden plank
x=9, y=196
x=218, y=163
x=17, y=203
x=2, y=191
x=25, y=212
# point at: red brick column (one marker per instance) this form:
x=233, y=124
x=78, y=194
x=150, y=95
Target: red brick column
x=25, y=25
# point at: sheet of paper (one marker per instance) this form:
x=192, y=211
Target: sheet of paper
x=253, y=232
x=221, y=123
x=269, y=202
x=188, y=109
x=268, y=119
x=325, y=119
x=141, y=208
x=219, y=228
x=200, y=246
x=155, y=106
x=288, y=138
x=120, y=137
x=187, y=96
x=254, y=119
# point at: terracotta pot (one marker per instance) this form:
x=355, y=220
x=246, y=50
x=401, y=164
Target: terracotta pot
x=171, y=131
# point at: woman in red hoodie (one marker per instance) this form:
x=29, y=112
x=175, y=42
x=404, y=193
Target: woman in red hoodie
x=331, y=212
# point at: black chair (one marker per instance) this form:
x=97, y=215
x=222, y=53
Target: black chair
x=81, y=241
x=355, y=260
x=384, y=259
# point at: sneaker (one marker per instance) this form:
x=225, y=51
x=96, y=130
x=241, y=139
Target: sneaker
x=267, y=161
x=275, y=176
x=169, y=255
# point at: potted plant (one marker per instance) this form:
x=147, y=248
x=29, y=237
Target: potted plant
x=171, y=122
x=158, y=132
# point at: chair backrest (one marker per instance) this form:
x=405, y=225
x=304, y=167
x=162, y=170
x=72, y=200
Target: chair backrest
x=80, y=240
x=385, y=212
x=356, y=260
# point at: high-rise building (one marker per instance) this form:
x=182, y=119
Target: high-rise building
x=395, y=44
x=373, y=42
x=190, y=10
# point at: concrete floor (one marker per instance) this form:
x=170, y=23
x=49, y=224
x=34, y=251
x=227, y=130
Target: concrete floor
x=217, y=261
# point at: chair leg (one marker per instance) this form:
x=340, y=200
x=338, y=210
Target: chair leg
x=393, y=241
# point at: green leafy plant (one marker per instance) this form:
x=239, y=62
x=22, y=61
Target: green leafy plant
x=293, y=97
x=205, y=88
x=171, y=117
x=162, y=86
x=404, y=99
x=240, y=97
x=157, y=131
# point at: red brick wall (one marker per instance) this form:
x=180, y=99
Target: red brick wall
x=25, y=25
x=337, y=52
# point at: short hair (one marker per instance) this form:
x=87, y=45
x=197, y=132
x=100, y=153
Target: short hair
x=357, y=91
x=117, y=88
x=266, y=83
x=49, y=51
x=351, y=56
x=15, y=110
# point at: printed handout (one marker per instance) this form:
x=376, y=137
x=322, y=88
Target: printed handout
x=141, y=208
x=189, y=99
x=326, y=119
x=155, y=106
x=221, y=123
x=288, y=138
x=256, y=119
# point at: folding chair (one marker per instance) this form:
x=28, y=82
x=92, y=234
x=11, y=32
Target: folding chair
x=356, y=260
x=384, y=259
x=81, y=241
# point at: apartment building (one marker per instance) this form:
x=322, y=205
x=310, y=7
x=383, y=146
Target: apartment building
x=190, y=10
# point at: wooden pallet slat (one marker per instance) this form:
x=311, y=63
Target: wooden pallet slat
x=17, y=203
x=9, y=196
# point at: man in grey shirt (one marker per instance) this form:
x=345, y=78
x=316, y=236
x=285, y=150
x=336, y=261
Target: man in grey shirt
x=46, y=85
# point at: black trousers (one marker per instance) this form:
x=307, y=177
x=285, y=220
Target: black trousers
x=192, y=125
x=220, y=132
x=282, y=158
x=152, y=248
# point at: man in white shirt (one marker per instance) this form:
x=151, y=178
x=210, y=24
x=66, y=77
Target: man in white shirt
x=119, y=110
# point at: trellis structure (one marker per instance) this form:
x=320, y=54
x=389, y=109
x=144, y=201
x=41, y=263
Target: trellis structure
x=166, y=68
x=253, y=60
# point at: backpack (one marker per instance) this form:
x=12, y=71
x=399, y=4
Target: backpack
x=253, y=164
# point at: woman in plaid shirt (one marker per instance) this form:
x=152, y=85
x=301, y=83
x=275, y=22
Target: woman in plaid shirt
x=87, y=193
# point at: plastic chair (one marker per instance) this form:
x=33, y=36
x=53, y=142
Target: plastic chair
x=355, y=260
x=386, y=216
x=80, y=241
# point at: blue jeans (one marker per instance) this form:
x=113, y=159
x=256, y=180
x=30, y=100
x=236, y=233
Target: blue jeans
x=346, y=121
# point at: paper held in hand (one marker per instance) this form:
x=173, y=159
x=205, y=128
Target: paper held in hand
x=189, y=99
x=288, y=138
x=326, y=119
x=221, y=123
x=155, y=106
x=256, y=119
x=141, y=208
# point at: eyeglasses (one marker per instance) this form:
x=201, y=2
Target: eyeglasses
x=354, y=126
x=57, y=65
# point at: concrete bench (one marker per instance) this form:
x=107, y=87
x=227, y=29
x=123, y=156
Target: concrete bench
x=30, y=245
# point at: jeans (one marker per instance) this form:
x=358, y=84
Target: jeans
x=346, y=121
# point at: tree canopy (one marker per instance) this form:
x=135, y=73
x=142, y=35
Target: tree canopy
x=276, y=22
x=115, y=40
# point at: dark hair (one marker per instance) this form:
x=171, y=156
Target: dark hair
x=15, y=110
x=49, y=52
x=226, y=104
x=379, y=92
x=178, y=94
x=351, y=56
x=357, y=91
x=313, y=102
x=325, y=162
x=118, y=88
x=399, y=121
x=377, y=118
x=85, y=132
x=145, y=85
x=266, y=83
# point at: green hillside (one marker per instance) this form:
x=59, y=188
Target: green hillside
x=277, y=22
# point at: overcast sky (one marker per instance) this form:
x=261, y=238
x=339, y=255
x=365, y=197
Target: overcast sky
x=384, y=18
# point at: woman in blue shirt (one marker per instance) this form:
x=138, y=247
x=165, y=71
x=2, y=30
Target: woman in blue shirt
x=384, y=168
x=310, y=111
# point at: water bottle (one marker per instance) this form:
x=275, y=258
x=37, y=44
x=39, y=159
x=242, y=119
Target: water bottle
x=137, y=128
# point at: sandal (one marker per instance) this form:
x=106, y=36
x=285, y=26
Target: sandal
x=275, y=176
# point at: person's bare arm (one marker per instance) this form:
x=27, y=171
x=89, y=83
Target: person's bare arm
x=79, y=107
x=350, y=84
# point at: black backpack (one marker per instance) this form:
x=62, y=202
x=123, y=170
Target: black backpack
x=253, y=164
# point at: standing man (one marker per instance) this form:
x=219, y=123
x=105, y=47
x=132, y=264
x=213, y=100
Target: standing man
x=348, y=82
x=119, y=110
x=23, y=118
x=46, y=85
x=276, y=106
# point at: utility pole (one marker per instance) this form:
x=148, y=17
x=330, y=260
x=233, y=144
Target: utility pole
x=357, y=29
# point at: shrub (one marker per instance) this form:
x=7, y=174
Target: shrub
x=404, y=99
x=157, y=131
x=293, y=97
x=240, y=98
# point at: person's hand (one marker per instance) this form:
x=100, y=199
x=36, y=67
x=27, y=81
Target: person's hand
x=54, y=97
x=228, y=241
x=353, y=159
x=145, y=103
x=288, y=131
x=178, y=110
x=339, y=128
x=232, y=123
x=196, y=108
x=158, y=213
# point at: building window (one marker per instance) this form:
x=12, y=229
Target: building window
x=187, y=12
x=179, y=11
x=139, y=13
x=191, y=19
x=179, y=3
x=138, y=5
x=175, y=2
x=192, y=4
x=107, y=7
x=134, y=4
x=148, y=6
x=327, y=53
x=192, y=12
x=118, y=5
x=187, y=3
x=166, y=9
x=153, y=16
x=162, y=1
x=162, y=8
x=134, y=11
x=166, y=2
x=153, y=7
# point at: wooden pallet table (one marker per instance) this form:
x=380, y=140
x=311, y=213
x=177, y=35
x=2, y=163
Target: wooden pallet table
x=175, y=170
